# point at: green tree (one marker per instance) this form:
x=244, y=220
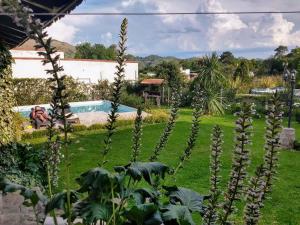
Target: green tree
x=170, y=71
x=211, y=75
x=280, y=51
x=227, y=57
x=97, y=51
x=211, y=80
x=242, y=70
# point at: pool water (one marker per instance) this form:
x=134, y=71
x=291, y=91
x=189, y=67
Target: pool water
x=80, y=107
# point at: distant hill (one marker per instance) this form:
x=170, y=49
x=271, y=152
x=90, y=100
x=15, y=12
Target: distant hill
x=151, y=60
x=65, y=47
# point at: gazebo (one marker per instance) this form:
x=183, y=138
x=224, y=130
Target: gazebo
x=154, y=88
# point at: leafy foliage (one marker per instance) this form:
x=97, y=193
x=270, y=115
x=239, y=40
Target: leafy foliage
x=22, y=164
x=97, y=51
x=6, y=96
x=134, y=194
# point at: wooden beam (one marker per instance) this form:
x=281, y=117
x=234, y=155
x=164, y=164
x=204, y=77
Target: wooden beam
x=41, y=6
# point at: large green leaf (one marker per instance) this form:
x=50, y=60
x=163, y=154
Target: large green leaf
x=186, y=197
x=142, y=194
x=91, y=211
x=144, y=214
x=59, y=201
x=98, y=180
x=32, y=197
x=139, y=170
x=177, y=215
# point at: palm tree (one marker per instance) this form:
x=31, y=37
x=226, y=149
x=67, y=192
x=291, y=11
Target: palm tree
x=211, y=80
x=210, y=74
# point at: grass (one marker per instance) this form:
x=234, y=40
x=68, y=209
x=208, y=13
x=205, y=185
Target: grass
x=284, y=205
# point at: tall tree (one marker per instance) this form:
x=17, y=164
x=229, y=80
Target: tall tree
x=97, y=51
x=242, y=70
x=280, y=51
x=169, y=71
x=227, y=57
x=211, y=74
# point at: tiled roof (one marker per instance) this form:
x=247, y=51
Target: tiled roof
x=153, y=81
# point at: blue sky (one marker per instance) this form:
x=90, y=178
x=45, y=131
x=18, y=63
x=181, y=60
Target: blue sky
x=251, y=36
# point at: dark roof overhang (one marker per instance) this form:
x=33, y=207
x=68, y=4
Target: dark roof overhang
x=12, y=35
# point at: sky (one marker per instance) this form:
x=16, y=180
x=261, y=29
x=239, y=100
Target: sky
x=184, y=36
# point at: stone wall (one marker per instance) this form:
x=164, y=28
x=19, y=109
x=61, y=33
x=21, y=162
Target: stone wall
x=12, y=212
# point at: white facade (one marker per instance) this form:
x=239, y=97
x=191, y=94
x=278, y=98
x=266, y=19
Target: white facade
x=28, y=65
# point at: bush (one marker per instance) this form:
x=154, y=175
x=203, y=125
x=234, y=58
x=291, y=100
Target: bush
x=79, y=127
x=296, y=145
x=297, y=115
x=157, y=116
x=97, y=126
x=38, y=94
x=131, y=100
x=233, y=108
x=22, y=164
x=18, y=121
x=34, y=134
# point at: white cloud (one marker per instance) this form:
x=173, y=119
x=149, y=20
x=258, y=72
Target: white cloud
x=66, y=28
x=106, y=38
x=62, y=31
x=182, y=33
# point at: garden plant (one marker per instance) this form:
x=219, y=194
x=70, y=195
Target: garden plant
x=142, y=193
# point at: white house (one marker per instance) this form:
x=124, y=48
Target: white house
x=28, y=65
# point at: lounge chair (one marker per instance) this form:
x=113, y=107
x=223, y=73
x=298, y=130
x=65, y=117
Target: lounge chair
x=37, y=123
x=71, y=117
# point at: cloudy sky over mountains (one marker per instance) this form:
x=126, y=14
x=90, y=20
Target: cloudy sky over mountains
x=186, y=35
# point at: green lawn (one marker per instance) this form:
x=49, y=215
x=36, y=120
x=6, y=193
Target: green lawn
x=283, y=208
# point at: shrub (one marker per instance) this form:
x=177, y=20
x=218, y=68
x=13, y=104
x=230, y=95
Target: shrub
x=18, y=121
x=131, y=99
x=233, y=108
x=296, y=145
x=21, y=163
x=97, y=126
x=34, y=134
x=76, y=91
x=297, y=115
x=157, y=116
x=78, y=127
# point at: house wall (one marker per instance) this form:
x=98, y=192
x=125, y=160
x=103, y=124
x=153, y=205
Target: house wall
x=31, y=54
x=83, y=70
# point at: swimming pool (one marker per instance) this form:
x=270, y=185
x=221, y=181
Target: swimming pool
x=80, y=107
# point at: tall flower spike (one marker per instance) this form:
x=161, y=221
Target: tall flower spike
x=272, y=145
x=117, y=85
x=175, y=102
x=254, y=197
x=198, y=108
x=239, y=163
x=261, y=183
x=210, y=215
x=137, y=134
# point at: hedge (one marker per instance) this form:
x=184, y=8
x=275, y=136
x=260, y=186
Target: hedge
x=157, y=116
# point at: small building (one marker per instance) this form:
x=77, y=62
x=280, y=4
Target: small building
x=188, y=74
x=154, y=89
x=28, y=64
